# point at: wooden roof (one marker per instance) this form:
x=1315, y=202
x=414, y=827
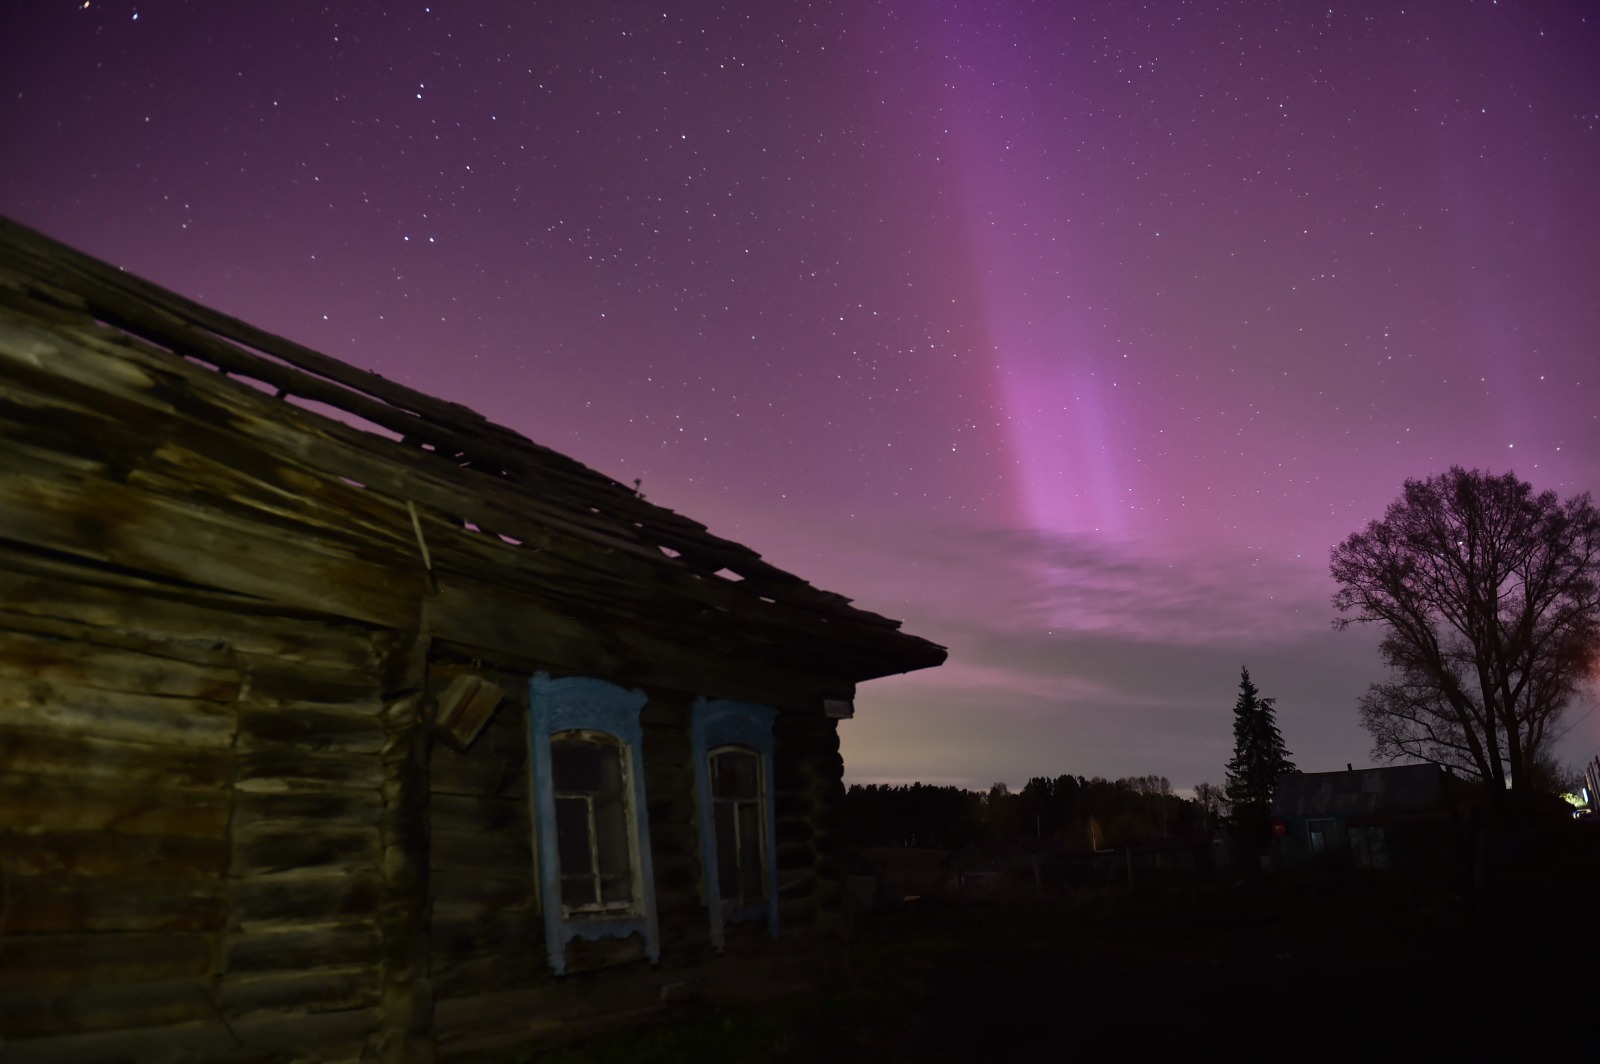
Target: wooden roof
x=501, y=513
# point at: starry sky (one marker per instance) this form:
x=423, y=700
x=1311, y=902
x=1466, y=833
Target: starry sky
x=1073, y=334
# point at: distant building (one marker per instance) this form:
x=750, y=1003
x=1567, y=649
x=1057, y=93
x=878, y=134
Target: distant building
x=1394, y=817
x=338, y=723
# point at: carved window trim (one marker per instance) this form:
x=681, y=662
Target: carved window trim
x=718, y=725
x=587, y=708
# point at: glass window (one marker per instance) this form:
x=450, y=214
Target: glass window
x=733, y=754
x=592, y=841
x=1322, y=834
x=737, y=805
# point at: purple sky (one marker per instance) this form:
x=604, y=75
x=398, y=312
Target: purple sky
x=1074, y=334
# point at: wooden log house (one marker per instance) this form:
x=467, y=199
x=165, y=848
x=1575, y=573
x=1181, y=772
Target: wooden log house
x=338, y=723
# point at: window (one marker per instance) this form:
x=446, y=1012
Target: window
x=592, y=837
x=587, y=786
x=733, y=759
x=1369, y=847
x=1322, y=834
x=737, y=814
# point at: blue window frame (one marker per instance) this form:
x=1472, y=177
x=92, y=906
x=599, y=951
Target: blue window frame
x=587, y=791
x=738, y=825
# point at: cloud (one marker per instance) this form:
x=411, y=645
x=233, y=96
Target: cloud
x=1070, y=654
x=986, y=583
x=1083, y=655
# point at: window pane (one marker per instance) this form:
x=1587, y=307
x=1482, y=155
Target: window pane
x=611, y=830
x=733, y=774
x=594, y=851
x=610, y=770
x=575, y=765
x=572, y=836
x=1323, y=834
x=727, y=852
x=577, y=890
x=750, y=863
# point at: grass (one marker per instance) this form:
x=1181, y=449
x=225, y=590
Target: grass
x=1313, y=966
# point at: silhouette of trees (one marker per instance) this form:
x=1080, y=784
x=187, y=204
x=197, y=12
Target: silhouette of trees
x=1213, y=803
x=1131, y=810
x=1259, y=760
x=1489, y=598
x=913, y=815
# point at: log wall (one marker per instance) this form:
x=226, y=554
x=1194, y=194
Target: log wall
x=809, y=798
x=227, y=829
x=193, y=829
x=486, y=937
x=209, y=842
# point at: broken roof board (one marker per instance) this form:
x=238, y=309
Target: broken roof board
x=480, y=513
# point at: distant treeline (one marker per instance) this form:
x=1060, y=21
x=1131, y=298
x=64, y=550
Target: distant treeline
x=1076, y=812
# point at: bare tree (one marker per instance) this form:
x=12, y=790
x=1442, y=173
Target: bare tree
x=1213, y=802
x=1489, y=596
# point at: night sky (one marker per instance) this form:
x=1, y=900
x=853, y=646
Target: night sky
x=1074, y=334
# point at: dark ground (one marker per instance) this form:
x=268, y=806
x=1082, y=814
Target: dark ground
x=1317, y=965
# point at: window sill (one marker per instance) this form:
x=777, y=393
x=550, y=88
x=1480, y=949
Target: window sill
x=738, y=914
x=592, y=926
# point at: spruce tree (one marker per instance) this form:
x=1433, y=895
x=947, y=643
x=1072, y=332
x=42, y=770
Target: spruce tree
x=1259, y=759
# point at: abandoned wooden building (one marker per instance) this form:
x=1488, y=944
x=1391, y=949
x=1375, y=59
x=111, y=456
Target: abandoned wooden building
x=338, y=723
x=1390, y=816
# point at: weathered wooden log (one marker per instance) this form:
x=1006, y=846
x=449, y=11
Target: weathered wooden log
x=795, y=804
x=120, y=525
x=457, y=930
x=204, y=1039
x=31, y=1011
x=487, y=891
x=286, y=809
x=487, y=971
x=311, y=991
x=499, y=853
x=328, y=896
x=43, y=594
x=277, y=768
x=59, y=803
x=261, y=851
x=166, y=669
x=58, y=960
x=292, y=948
x=795, y=856
x=299, y=726
x=86, y=758
x=39, y=904
x=791, y=829
x=39, y=705
x=103, y=854
x=493, y=766
x=465, y=813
